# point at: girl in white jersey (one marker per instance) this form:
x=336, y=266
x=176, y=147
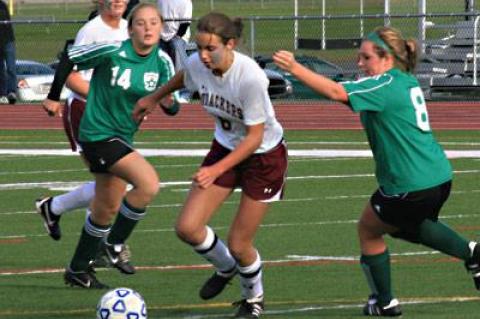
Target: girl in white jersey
x=247, y=152
x=412, y=171
x=107, y=27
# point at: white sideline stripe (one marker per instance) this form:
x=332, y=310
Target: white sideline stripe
x=419, y=301
x=209, y=142
x=66, y=186
x=308, y=199
x=324, y=153
x=289, y=258
x=276, y=225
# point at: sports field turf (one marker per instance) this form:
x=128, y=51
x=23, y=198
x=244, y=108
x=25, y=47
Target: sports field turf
x=308, y=241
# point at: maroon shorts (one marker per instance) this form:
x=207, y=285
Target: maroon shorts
x=72, y=114
x=261, y=176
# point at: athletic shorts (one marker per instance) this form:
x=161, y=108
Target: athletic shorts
x=408, y=210
x=260, y=176
x=72, y=114
x=101, y=155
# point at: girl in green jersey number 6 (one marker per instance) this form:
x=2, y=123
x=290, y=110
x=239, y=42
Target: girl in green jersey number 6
x=412, y=171
x=124, y=72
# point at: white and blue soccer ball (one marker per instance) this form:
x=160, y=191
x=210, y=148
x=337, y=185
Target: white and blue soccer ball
x=121, y=303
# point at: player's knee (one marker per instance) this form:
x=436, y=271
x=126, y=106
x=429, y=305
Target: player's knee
x=186, y=231
x=149, y=190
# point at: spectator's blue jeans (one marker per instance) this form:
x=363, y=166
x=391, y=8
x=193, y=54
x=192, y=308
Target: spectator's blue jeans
x=179, y=47
x=176, y=49
x=8, y=74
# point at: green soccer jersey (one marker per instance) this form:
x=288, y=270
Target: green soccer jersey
x=394, y=114
x=120, y=78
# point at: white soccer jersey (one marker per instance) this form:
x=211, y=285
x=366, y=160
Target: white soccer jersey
x=237, y=99
x=174, y=9
x=97, y=31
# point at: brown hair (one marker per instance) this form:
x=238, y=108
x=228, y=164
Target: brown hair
x=405, y=51
x=139, y=6
x=221, y=25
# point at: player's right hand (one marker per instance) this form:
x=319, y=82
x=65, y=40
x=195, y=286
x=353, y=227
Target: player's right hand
x=143, y=107
x=53, y=108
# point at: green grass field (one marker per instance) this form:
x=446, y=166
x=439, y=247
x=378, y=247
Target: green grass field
x=308, y=241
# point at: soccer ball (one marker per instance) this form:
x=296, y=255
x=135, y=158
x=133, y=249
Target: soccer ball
x=121, y=303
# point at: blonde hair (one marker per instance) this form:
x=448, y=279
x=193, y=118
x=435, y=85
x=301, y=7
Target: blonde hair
x=139, y=6
x=405, y=51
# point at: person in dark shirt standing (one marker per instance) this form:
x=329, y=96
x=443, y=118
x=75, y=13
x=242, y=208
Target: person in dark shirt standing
x=8, y=74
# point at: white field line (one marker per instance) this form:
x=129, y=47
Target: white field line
x=288, y=259
x=324, y=153
x=65, y=186
x=305, y=309
x=209, y=142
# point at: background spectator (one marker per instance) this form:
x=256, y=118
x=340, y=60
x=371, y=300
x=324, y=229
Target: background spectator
x=8, y=75
x=175, y=34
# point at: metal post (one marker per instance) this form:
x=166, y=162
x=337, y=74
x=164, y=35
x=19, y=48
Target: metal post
x=295, y=25
x=475, y=49
x=469, y=8
x=323, y=25
x=387, y=12
x=361, y=19
x=252, y=38
x=10, y=7
x=422, y=9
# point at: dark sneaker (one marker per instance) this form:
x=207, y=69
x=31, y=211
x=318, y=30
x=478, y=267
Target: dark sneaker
x=372, y=308
x=50, y=220
x=117, y=256
x=214, y=286
x=12, y=98
x=473, y=265
x=249, y=308
x=83, y=279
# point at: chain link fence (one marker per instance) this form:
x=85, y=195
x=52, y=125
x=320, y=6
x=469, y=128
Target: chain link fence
x=320, y=30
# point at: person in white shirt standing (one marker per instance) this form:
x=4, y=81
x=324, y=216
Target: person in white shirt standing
x=248, y=151
x=177, y=16
x=108, y=27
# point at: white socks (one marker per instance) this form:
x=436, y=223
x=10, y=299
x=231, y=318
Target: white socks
x=215, y=251
x=80, y=197
x=251, y=279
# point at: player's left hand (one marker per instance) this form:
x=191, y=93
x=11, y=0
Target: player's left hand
x=284, y=60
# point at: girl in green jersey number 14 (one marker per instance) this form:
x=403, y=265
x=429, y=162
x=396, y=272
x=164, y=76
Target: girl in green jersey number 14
x=123, y=73
x=412, y=171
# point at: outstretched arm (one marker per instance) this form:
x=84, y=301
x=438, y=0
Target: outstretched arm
x=319, y=83
x=161, y=96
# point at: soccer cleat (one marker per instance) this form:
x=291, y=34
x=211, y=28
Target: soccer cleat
x=249, y=308
x=372, y=308
x=83, y=279
x=473, y=264
x=214, y=286
x=50, y=220
x=12, y=98
x=117, y=256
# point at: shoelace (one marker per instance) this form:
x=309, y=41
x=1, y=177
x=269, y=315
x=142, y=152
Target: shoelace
x=125, y=253
x=253, y=307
